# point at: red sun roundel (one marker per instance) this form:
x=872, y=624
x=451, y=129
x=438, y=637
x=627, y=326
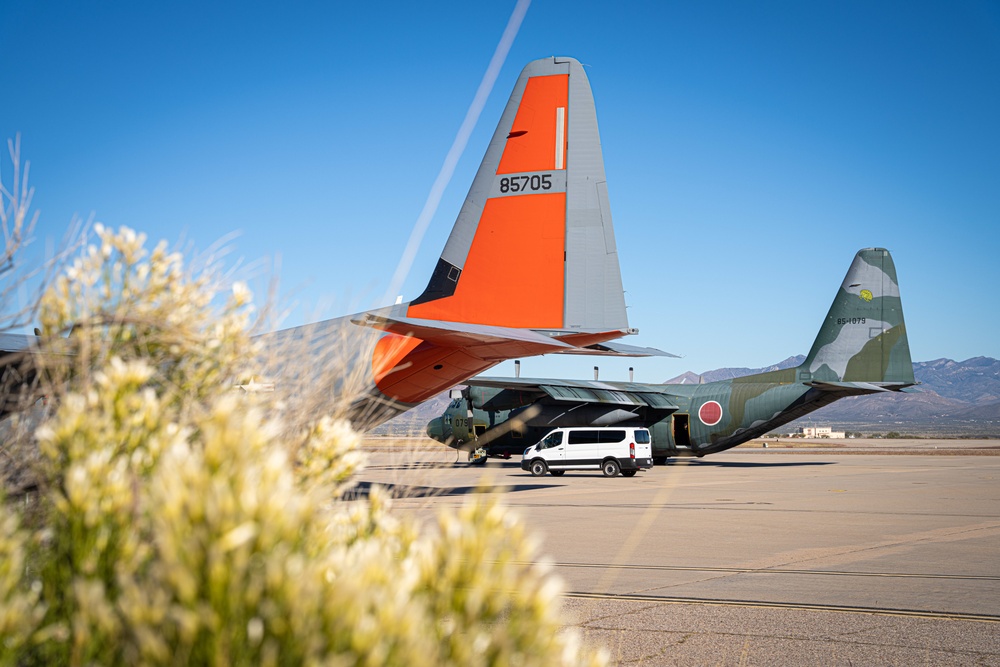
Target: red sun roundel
x=710, y=413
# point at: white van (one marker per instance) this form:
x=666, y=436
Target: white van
x=612, y=449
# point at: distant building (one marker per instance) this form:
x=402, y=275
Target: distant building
x=820, y=432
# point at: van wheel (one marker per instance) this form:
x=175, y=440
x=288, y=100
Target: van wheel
x=538, y=467
x=556, y=472
x=610, y=468
x=629, y=473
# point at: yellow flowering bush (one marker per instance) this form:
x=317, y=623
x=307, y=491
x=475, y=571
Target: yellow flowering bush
x=20, y=609
x=182, y=522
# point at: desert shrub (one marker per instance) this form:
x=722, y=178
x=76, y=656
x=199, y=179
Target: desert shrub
x=180, y=521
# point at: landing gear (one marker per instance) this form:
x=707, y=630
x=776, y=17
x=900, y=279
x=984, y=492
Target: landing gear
x=478, y=457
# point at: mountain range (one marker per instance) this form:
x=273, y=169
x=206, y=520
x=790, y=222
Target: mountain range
x=957, y=398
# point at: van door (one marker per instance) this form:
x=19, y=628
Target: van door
x=614, y=443
x=552, y=448
x=643, y=443
x=583, y=449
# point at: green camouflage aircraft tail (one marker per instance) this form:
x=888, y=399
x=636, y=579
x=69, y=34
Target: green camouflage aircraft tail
x=863, y=339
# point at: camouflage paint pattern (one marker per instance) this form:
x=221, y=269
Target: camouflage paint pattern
x=861, y=348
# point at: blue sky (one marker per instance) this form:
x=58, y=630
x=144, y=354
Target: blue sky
x=751, y=150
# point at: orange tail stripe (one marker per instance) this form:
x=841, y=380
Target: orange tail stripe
x=533, y=135
x=515, y=272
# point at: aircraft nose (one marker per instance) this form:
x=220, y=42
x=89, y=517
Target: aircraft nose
x=435, y=429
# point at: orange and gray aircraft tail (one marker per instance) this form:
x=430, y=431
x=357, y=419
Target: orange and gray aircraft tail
x=530, y=267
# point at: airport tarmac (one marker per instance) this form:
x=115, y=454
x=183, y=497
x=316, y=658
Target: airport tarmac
x=756, y=556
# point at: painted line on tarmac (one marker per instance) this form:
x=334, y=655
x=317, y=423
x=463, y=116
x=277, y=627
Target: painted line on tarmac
x=665, y=599
x=743, y=570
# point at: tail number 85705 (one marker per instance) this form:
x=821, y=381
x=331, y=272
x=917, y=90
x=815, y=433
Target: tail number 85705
x=525, y=183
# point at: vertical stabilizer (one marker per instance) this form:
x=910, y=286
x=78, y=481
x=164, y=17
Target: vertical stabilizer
x=533, y=246
x=863, y=338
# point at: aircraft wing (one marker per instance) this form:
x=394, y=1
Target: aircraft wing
x=860, y=387
x=17, y=369
x=582, y=391
x=13, y=343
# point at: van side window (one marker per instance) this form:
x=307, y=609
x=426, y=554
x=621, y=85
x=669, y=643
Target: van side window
x=552, y=440
x=584, y=437
x=641, y=436
x=596, y=436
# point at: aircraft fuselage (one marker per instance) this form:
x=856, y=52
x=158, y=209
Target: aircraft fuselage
x=708, y=418
x=861, y=348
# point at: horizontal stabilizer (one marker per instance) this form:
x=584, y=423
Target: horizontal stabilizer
x=459, y=333
x=859, y=387
x=619, y=350
x=465, y=334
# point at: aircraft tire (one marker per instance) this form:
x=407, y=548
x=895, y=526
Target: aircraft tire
x=610, y=468
x=659, y=460
x=556, y=473
x=629, y=473
x=538, y=468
